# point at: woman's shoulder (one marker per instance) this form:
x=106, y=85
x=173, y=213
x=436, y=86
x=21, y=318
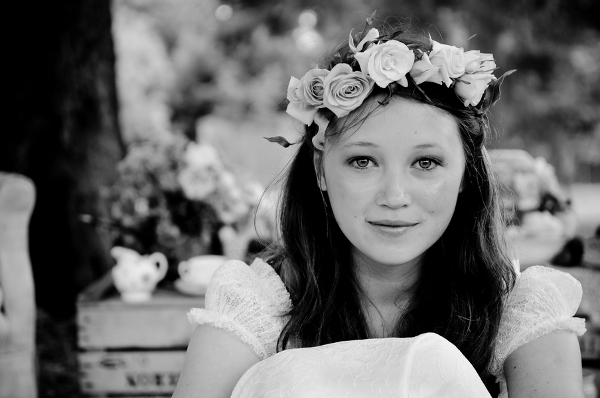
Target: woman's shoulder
x=542, y=301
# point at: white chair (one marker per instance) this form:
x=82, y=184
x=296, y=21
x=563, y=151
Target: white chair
x=17, y=300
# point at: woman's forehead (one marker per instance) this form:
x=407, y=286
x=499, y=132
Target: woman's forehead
x=406, y=123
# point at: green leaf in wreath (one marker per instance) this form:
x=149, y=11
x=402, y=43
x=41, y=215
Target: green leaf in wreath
x=279, y=140
x=492, y=93
x=370, y=19
x=368, y=24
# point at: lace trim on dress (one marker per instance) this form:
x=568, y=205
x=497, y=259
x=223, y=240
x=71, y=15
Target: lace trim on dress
x=248, y=301
x=272, y=286
x=543, y=300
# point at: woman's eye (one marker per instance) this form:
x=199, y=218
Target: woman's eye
x=427, y=164
x=361, y=163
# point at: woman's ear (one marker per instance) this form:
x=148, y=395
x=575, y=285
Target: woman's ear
x=318, y=164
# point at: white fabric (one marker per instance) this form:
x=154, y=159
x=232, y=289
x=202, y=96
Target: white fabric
x=250, y=302
x=390, y=368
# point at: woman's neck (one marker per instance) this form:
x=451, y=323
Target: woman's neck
x=387, y=291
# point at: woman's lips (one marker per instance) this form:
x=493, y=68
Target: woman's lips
x=393, y=223
x=391, y=228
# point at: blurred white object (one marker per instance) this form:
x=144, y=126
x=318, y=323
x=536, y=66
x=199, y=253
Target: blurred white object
x=262, y=226
x=516, y=170
x=224, y=12
x=589, y=384
x=17, y=297
x=235, y=243
x=200, y=175
x=135, y=276
x=540, y=237
x=195, y=273
x=266, y=216
x=585, y=207
x=534, y=250
x=541, y=224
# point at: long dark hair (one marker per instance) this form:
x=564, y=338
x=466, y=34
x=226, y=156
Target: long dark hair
x=465, y=275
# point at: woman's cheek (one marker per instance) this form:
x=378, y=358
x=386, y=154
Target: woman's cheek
x=434, y=196
x=351, y=188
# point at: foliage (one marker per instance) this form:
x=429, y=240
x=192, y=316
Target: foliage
x=238, y=68
x=174, y=196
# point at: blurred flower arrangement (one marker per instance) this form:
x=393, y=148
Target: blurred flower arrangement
x=540, y=220
x=528, y=186
x=175, y=196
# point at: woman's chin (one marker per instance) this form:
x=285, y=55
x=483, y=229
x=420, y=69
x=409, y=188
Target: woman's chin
x=389, y=258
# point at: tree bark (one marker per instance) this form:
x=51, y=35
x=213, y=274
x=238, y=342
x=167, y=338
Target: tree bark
x=65, y=136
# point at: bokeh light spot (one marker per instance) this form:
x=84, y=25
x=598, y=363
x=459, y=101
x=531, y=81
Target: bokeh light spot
x=224, y=12
x=308, y=19
x=307, y=39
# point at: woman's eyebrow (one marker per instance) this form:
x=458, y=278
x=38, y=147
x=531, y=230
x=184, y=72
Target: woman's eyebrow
x=361, y=144
x=427, y=145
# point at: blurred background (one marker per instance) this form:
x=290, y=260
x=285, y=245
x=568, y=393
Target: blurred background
x=108, y=98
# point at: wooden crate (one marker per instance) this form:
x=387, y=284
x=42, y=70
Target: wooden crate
x=120, y=372
x=129, y=348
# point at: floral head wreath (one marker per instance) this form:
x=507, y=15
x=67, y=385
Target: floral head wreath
x=389, y=63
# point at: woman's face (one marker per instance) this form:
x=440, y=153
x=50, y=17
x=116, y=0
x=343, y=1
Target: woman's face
x=393, y=182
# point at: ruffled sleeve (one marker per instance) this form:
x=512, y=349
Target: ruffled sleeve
x=247, y=301
x=543, y=300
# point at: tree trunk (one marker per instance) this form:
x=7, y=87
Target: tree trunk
x=65, y=136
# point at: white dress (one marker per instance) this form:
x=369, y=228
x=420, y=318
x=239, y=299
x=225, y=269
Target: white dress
x=247, y=301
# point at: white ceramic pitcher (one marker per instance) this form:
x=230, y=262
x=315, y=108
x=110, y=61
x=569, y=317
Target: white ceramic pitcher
x=135, y=276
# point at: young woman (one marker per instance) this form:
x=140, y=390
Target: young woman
x=391, y=278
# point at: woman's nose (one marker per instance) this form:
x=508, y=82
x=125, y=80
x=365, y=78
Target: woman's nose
x=393, y=192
